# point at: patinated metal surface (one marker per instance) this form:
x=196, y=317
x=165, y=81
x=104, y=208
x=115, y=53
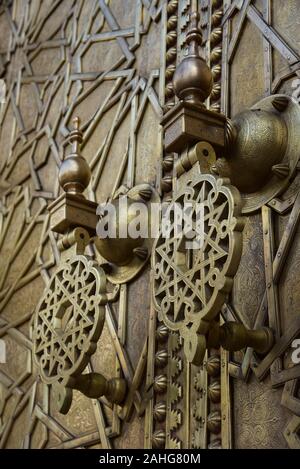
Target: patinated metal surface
x=60, y=60
x=262, y=292
x=187, y=294
x=91, y=58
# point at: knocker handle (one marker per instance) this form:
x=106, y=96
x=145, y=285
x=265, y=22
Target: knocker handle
x=234, y=336
x=92, y=385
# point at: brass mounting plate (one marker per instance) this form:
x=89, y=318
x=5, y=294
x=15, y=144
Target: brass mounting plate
x=275, y=186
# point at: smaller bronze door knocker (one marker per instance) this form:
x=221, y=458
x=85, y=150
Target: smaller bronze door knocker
x=67, y=326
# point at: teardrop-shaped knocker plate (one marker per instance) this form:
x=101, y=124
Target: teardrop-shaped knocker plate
x=69, y=320
x=191, y=284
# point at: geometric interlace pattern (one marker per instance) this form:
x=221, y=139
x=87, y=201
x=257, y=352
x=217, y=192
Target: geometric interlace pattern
x=69, y=320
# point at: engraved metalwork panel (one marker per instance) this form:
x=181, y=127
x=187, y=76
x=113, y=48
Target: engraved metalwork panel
x=60, y=59
x=91, y=58
x=69, y=319
x=264, y=292
x=185, y=293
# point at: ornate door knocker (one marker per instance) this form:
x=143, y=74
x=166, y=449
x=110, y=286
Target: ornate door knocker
x=67, y=326
x=70, y=316
x=191, y=286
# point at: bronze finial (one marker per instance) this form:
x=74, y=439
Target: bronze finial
x=74, y=173
x=75, y=136
x=71, y=209
x=193, y=79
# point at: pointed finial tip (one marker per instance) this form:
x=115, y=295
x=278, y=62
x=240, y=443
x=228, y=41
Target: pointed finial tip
x=76, y=122
x=193, y=78
x=75, y=135
x=75, y=173
x=195, y=16
x=194, y=33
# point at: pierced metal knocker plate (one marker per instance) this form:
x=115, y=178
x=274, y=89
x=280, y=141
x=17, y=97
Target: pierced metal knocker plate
x=69, y=320
x=67, y=325
x=190, y=286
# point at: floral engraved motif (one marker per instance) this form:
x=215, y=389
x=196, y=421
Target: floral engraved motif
x=192, y=285
x=258, y=415
x=69, y=320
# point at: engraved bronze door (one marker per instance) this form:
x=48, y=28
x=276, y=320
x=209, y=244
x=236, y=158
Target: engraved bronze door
x=111, y=63
x=239, y=398
x=260, y=58
x=105, y=62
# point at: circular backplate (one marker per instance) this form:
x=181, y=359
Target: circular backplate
x=69, y=320
x=275, y=186
x=190, y=284
x=119, y=274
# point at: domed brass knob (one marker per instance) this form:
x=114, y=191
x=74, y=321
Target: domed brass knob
x=258, y=144
x=74, y=173
x=119, y=249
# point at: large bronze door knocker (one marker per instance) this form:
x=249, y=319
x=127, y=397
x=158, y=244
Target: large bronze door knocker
x=216, y=169
x=217, y=166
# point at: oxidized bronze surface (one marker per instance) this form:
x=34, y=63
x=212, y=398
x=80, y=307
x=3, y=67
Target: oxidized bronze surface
x=66, y=328
x=124, y=257
x=69, y=320
x=263, y=151
x=256, y=66
x=113, y=63
x=190, y=291
x=97, y=67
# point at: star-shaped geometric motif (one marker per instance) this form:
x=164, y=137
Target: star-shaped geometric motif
x=191, y=283
x=69, y=319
